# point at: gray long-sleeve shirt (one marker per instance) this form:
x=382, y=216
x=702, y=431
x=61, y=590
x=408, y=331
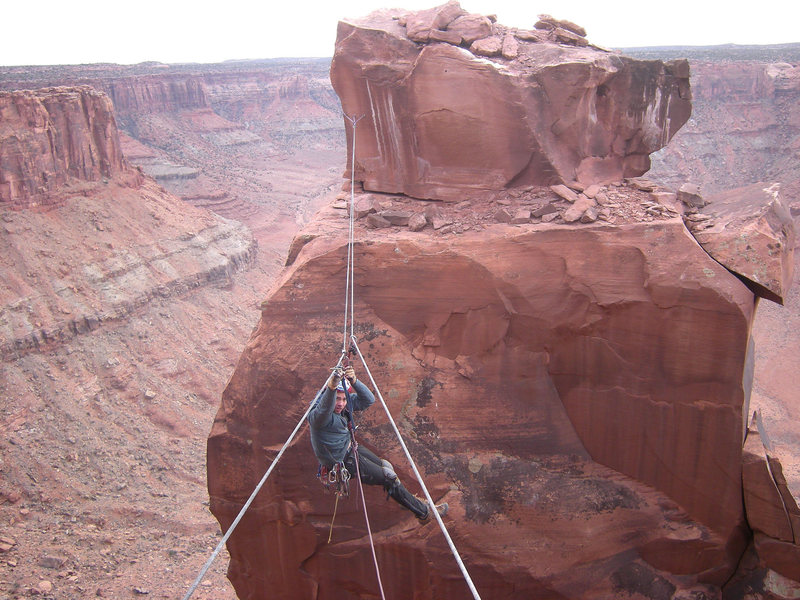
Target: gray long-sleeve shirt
x=330, y=437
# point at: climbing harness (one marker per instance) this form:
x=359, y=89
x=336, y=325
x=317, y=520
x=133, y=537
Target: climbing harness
x=337, y=478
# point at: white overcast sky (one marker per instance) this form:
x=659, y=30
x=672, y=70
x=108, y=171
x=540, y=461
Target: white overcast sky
x=47, y=32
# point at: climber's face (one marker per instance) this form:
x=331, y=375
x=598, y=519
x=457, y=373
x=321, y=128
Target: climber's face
x=341, y=402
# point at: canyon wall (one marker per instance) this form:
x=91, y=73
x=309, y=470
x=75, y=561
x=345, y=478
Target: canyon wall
x=154, y=93
x=745, y=125
x=52, y=136
x=111, y=354
x=230, y=137
x=258, y=96
x=60, y=149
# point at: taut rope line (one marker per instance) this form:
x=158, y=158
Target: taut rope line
x=349, y=300
x=349, y=294
x=431, y=505
x=366, y=518
x=249, y=500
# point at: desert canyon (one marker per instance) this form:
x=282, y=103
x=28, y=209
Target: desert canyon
x=575, y=288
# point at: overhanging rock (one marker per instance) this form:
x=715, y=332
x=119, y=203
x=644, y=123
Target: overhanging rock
x=750, y=231
x=442, y=120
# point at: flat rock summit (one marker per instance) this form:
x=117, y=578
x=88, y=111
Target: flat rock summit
x=565, y=345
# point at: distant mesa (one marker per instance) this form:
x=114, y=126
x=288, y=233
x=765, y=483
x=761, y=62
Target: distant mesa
x=55, y=135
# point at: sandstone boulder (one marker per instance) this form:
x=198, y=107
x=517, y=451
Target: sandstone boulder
x=523, y=215
x=489, y=46
x=421, y=24
x=417, y=222
x=578, y=209
x=689, y=194
x=510, y=48
x=566, y=193
x=544, y=210
x=396, y=217
x=441, y=122
x=547, y=22
x=366, y=204
x=377, y=221
x=750, y=231
x=471, y=27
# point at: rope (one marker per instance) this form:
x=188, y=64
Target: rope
x=431, y=505
x=335, y=506
x=249, y=501
x=366, y=518
x=349, y=302
x=349, y=294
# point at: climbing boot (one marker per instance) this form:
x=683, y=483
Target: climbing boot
x=440, y=508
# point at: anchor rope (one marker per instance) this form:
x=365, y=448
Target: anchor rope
x=431, y=505
x=349, y=302
x=366, y=519
x=349, y=294
x=250, y=500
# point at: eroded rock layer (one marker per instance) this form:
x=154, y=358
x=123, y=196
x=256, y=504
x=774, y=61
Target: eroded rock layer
x=92, y=257
x=50, y=136
x=452, y=103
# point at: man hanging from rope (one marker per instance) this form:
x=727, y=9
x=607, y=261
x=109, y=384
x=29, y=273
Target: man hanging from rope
x=330, y=420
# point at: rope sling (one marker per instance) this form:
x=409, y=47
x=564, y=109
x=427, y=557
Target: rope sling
x=346, y=348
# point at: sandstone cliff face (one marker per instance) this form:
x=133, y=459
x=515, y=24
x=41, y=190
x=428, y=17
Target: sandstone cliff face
x=156, y=94
x=291, y=108
x=440, y=120
x=192, y=126
x=52, y=136
x=574, y=381
x=573, y=392
x=57, y=144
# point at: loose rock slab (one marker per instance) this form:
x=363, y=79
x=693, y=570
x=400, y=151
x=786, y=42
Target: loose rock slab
x=750, y=231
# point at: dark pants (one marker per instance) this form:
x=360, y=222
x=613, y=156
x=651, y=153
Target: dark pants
x=372, y=473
